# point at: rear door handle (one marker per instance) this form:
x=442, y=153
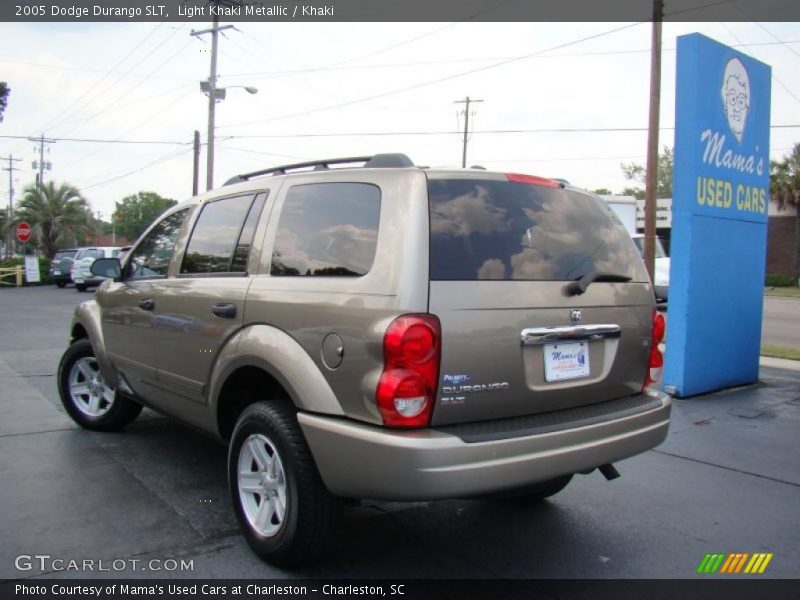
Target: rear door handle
x=224, y=311
x=148, y=304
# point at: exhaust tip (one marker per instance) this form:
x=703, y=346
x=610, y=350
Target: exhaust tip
x=609, y=471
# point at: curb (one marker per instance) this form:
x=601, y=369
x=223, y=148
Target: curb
x=779, y=363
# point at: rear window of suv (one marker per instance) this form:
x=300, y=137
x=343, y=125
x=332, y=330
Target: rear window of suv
x=89, y=252
x=485, y=229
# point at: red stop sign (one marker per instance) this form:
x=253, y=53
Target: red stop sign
x=23, y=232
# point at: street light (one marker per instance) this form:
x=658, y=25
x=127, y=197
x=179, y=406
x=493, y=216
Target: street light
x=216, y=94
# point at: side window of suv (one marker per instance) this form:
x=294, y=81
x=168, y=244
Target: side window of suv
x=327, y=229
x=221, y=239
x=151, y=257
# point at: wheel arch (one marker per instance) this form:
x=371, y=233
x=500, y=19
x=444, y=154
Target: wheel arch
x=273, y=362
x=87, y=323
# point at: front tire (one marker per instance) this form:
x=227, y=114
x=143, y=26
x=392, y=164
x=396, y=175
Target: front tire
x=287, y=515
x=86, y=397
x=80, y=287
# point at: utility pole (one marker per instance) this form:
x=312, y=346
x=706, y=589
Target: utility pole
x=652, y=142
x=10, y=168
x=466, y=101
x=214, y=94
x=196, y=169
x=41, y=142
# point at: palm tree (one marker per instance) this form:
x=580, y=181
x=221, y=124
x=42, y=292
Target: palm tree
x=56, y=214
x=784, y=189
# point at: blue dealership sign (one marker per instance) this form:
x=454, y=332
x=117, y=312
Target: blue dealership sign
x=719, y=218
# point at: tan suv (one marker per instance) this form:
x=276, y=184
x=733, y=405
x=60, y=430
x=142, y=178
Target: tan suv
x=380, y=331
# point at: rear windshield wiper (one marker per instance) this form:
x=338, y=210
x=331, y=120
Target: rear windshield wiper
x=578, y=287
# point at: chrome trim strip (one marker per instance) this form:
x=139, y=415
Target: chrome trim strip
x=537, y=336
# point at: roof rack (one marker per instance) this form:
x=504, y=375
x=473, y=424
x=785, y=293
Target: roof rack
x=376, y=162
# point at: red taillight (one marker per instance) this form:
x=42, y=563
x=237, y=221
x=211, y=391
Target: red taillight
x=532, y=179
x=407, y=387
x=656, y=358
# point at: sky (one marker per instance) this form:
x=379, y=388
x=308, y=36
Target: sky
x=346, y=89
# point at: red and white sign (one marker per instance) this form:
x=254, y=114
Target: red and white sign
x=23, y=232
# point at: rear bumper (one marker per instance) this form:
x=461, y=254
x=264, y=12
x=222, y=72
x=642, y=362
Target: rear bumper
x=62, y=276
x=363, y=461
x=89, y=281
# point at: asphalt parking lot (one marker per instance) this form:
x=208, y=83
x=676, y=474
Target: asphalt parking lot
x=726, y=480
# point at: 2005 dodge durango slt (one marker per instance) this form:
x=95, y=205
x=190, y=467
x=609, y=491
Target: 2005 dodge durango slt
x=365, y=328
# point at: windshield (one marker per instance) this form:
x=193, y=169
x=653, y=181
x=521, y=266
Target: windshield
x=485, y=229
x=639, y=241
x=89, y=252
x=64, y=254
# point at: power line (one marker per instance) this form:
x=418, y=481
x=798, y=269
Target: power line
x=31, y=63
x=130, y=90
x=134, y=102
x=91, y=89
x=438, y=80
x=422, y=63
x=775, y=77
x=356, y=134
x=474, y=132
x=138, y=125
x=159, y=160
x=99, y=141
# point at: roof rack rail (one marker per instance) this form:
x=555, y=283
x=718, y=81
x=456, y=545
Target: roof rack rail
x=376, y=161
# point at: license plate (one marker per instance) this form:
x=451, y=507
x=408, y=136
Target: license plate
x=566, y=361
x=56, y=272
x=79, y=281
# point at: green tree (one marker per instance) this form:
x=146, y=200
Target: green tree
x=634, y=191
x=603, y=192
x=58, y=214
x=4, y=92
x=136, y=212
x=634, y=172
x=784, y=190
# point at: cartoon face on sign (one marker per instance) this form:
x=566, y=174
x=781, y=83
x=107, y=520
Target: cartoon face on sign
x=736, y=96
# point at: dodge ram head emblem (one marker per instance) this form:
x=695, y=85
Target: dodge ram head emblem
x=575, y=315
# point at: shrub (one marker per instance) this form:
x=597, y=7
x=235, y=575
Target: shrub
x=779, y=280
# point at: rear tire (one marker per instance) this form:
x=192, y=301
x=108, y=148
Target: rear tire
x=61, y=284
x=287, y=515
x=86, y=397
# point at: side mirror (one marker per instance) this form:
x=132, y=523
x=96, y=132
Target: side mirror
x=107, y=267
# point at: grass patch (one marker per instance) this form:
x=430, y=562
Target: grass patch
x=780, y=352
x=785, y=292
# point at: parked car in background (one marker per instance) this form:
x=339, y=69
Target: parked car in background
x=661, y=275
x=82, y=265
x=123, y=253
x=61, y=266
x=625, y=208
